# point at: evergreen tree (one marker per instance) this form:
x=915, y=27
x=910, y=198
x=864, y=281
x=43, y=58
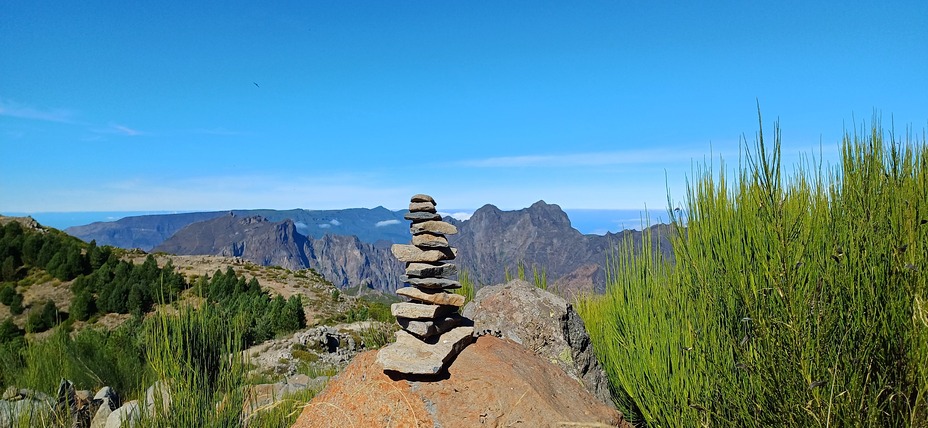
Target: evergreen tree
x=83, y=305
x=9, y=330
x=41, y=319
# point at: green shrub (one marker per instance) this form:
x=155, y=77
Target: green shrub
x=797, y=301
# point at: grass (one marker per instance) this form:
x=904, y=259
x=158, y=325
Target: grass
x=797, y=300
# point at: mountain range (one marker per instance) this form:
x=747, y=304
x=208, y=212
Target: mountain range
x=353, y=250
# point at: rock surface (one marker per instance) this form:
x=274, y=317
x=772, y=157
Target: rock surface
x=493, y=382
x=544, y=323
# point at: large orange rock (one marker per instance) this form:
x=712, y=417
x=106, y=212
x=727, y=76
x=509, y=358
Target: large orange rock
x=493, y=382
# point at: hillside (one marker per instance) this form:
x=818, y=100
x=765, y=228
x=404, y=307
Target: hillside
x=345, y=261
x=148, y=231
x=491, y=243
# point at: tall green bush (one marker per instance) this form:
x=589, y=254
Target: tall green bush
x=796, y=300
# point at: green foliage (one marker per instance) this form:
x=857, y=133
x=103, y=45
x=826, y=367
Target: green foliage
x=793, y=302
x=261, y=316
x=467, y=287
x=9, y=330
x=42, y=318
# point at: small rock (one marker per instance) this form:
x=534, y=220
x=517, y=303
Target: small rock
x=430, y=270
x=434, y=283
x=129, y=412
x=422, y=198
x=410, y=355
x=433, y=227
x=436, y=297
x=420, y=311
x=419, y=216
x=411, y=253
x=428, y=328
x=427, y=207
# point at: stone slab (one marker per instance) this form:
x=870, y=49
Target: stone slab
x=410, y=355
x=433, y=283
x=437, y=227
x=435, y=297
x=411, y=253
x=430, y=270
x=421, y=310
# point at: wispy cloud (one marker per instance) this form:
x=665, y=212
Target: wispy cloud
x=624, y=157
x=13, y=109
x=335, y=222
x=117, y=129
x=386, y=223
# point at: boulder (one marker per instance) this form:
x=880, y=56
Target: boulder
x=129, y=412
x=493, y=382
x=544, y=323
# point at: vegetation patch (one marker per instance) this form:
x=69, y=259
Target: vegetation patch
x=794, y=301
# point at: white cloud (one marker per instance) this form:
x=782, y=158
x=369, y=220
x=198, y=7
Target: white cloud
x=386, y=223
x=325, y=226
x=335, y=222
x=625, y=157
x=458, y=215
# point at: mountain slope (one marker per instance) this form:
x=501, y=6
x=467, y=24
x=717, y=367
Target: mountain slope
x=149, y=231
x=343, y=260
x=539, y=236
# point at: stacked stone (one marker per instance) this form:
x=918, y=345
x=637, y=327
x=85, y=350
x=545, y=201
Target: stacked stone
x=432, y=331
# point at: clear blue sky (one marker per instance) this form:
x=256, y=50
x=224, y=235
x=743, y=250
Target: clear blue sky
x=109, y=106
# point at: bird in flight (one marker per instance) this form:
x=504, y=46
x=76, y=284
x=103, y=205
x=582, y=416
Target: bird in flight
x=256, y=84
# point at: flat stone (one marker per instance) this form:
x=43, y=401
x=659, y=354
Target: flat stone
x=425, y=329
x=434, y=283
x=428, y=240
x=412, y=253
x=410, y=355
x=422, y=198
x=420, y=310
x=421, y=216
x=436, y=227
x=430, y=270
x=427, y=207
x=434, y=296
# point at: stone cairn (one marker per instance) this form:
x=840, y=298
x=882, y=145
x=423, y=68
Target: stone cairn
x=432, y=331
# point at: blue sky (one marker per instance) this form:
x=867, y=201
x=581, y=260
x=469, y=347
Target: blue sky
x=134, y=106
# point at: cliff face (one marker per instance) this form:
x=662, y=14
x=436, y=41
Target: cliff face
x=492, y=241
x=347, y=262
x=343, y=260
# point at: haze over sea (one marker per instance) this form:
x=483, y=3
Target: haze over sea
x=586, y=221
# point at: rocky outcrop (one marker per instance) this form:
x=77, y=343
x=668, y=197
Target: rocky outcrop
x=544, y=323
x=492, y=382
